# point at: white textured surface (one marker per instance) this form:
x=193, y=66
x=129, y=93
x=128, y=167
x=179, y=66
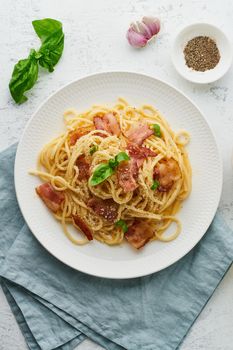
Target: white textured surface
x=95, y=42
x=121, y=261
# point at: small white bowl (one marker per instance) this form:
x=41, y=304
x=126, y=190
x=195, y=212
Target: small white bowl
x=222, y=42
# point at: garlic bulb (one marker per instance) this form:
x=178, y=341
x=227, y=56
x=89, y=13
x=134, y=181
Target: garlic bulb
x=139, y=33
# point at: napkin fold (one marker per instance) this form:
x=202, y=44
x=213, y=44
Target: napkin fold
x=57, y=307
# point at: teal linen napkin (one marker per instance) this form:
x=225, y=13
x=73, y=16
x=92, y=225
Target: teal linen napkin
x=57, y=307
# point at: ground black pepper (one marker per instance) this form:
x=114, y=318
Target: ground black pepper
x=201, y=53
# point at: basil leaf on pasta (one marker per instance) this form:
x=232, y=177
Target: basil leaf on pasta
x=112, y=163
x=101, y=173
x=157, y=130
x=121, y=223
x=155, y=185
x=121, y=157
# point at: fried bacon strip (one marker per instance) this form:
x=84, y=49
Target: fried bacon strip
x=50, y=196
x=108, y=123
x=139, y=233
x=106, y=208
x=81, y=224
x=166, y=172
x=139, y=133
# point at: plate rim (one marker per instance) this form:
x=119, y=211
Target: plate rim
x=150, y=270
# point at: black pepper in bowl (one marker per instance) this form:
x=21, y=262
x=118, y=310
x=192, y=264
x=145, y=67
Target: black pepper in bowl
x=201, y=53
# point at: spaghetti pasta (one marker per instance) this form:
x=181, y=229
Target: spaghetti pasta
x=114, y=170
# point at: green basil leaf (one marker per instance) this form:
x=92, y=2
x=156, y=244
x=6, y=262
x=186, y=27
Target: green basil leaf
x=51, y=50
x=121, y=223
x=93, y=149
x=101, y=173
x=157, y=130
x=23, y=78
x=155, y=185
x=45, y=27
x=121, y=157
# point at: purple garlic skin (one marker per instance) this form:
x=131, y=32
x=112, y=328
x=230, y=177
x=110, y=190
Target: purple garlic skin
x=139, y=33
x=135, y=39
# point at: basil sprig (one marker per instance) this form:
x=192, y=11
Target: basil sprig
x=25, y=71
x=121, y=223
x=104, y=170
x=52, y=38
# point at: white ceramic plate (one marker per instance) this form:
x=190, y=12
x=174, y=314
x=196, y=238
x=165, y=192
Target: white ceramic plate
x=197, y=212
x=223, y=44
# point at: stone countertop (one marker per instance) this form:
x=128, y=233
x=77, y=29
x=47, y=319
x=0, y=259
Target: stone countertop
x=95, y=41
